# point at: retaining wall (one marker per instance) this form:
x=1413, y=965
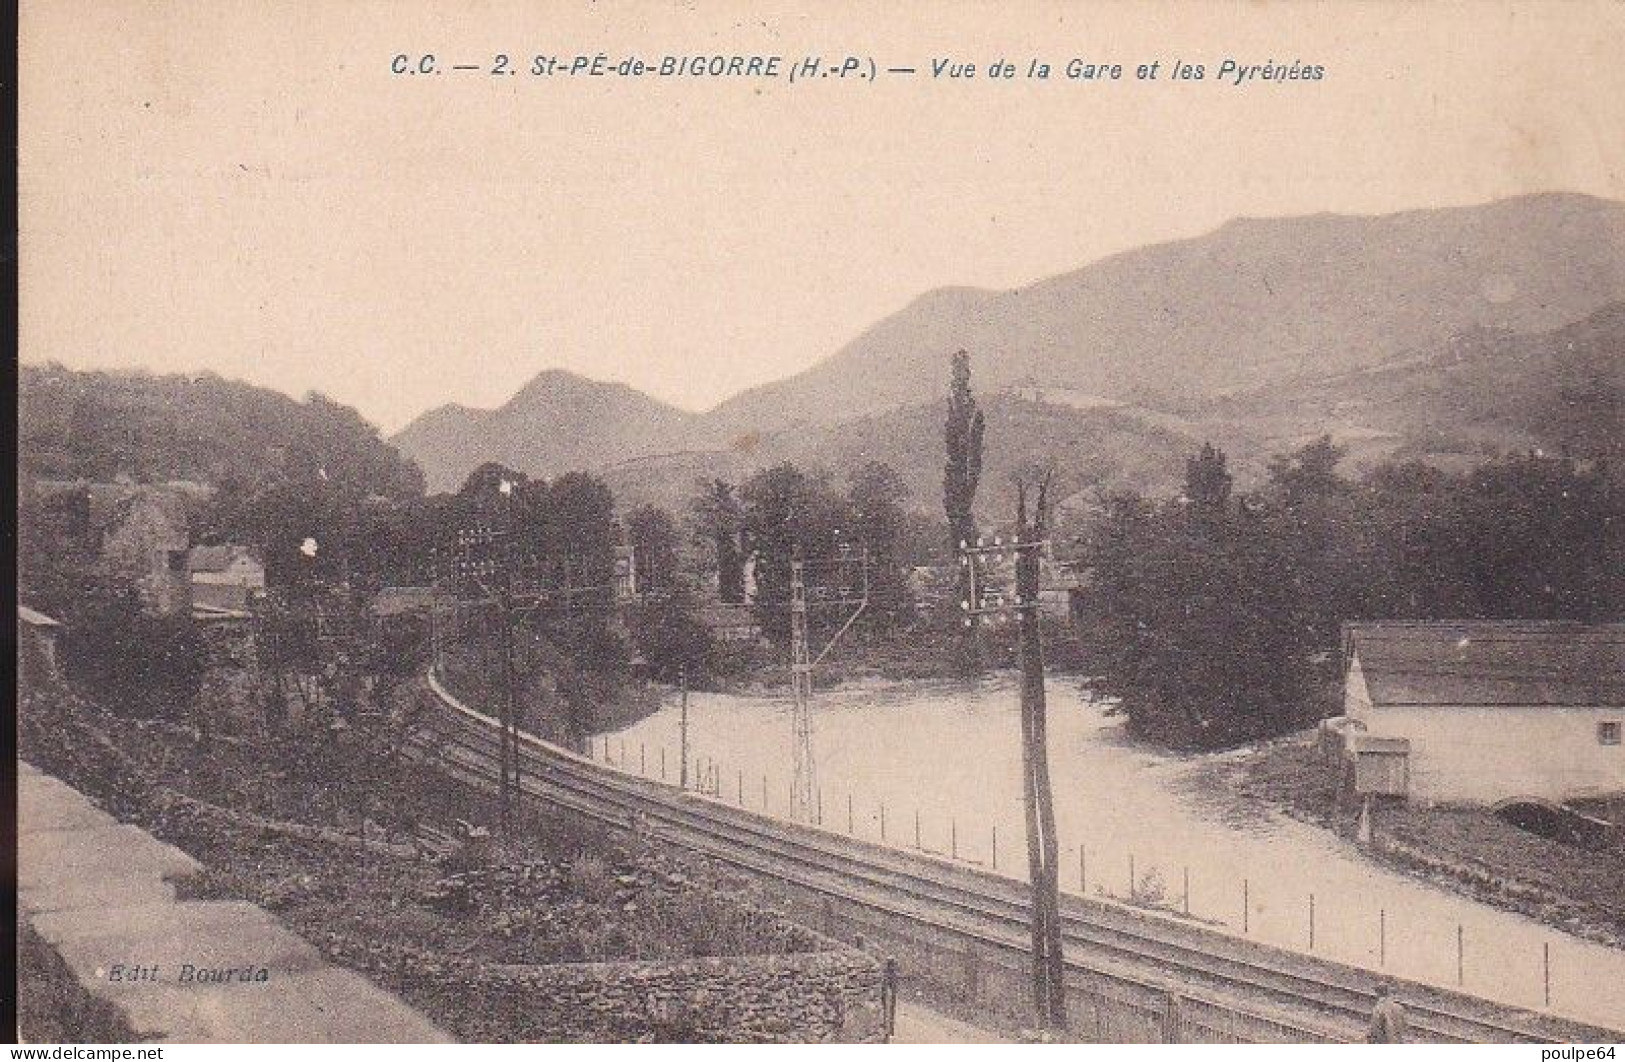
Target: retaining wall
x=100, y=895
x=813, y=997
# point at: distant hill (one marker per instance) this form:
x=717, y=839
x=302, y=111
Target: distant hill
x=1255, y=303
x=1440, y=333
x=99, y=426
x=1486, y=392
x=558, y=422
x=1091, y=448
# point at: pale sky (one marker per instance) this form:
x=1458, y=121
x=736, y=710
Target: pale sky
x=244, y=187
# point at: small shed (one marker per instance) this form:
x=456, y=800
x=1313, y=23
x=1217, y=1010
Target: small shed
x=224, y=578
x=37, y=635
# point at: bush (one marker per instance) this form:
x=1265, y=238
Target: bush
x=672, y=639
x=140, y=665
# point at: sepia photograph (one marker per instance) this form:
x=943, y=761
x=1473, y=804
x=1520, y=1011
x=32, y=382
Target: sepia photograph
x=770, y=522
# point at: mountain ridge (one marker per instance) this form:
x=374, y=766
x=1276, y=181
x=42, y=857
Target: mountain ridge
x=1257, y=302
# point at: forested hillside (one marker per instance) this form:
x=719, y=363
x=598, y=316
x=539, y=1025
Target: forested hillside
x=101, y=425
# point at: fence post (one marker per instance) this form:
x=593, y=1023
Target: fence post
x=1546, y=969
x=995, y=847
x=1311, y=921
x=917, y=829
x=1382, y=937
x=1461, y=977
x=953, y=838
x=764, y=794
x=1172, y=1019
x=643, y=760
x=1246, y=909
x=883, y=820
x=1131, y=876
x=662, y=763
x=741, y=796
x=849, y=813
x=1083, y=873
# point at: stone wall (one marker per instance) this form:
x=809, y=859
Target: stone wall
x=811, y=997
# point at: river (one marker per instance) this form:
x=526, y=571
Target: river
x=948, y=756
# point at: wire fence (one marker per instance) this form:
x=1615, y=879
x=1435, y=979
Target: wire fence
x=1148, y=885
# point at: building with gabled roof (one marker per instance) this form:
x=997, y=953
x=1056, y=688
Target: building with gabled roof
x=224, y=578
x=1485, y=711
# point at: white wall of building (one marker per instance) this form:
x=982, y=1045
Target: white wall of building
x=1482, y=755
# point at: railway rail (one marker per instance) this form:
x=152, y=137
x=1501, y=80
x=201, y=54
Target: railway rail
x=1297, y=997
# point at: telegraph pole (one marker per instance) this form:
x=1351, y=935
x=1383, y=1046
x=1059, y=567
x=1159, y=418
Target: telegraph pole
x=801, y=689
x=510, y=682
x=682, y=730
x=1043, y=851
x=502, y=614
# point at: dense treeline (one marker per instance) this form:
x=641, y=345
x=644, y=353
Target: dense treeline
x=1215, y=617
x=1212, y=616
x=101, y=425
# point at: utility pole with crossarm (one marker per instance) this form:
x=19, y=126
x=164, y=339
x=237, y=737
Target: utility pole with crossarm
x=985, y=604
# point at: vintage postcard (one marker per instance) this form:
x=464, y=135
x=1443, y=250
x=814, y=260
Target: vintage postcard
x=787, y=522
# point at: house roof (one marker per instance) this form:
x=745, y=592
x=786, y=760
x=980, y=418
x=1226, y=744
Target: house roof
x=214, y=558
x=35, y=619
x=1490, y=664
x=402, y=600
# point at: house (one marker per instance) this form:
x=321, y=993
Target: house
x=144, y=534
x=36, y=643
x=136, y=532
x=224, y=578
x=1483, y=711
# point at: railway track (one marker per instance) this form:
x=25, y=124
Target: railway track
x=1303, y=997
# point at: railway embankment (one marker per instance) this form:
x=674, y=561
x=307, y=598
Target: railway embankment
x=1131, y=977
x=565, y=934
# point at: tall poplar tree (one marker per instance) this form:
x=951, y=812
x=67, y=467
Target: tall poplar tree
x=964, y=445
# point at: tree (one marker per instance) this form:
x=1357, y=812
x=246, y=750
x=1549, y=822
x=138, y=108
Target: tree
x=719, y=520
x=963, y=471
x=1220, y=625
x=580, y=562
x=775, y=507
x=484, y=485
x=875, y=494
x=652, y=534
x=1207, y=481
x=139, y=664
x=961, y=474
x=672, y=640
x=1309, y=472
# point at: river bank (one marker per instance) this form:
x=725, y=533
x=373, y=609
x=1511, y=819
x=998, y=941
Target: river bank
x=936, y=765
x=1465, y=849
